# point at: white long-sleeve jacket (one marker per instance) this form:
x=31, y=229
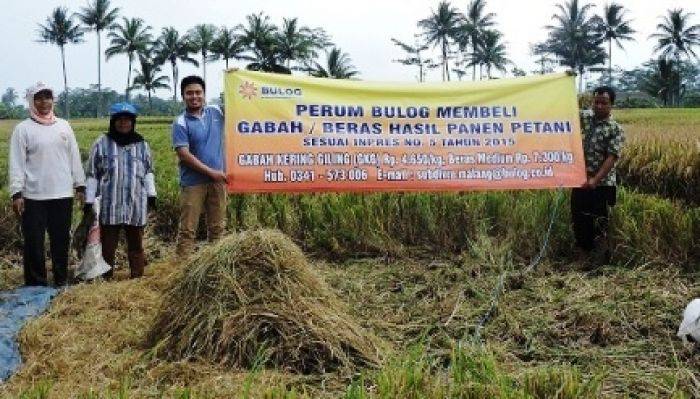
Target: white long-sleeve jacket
x=44, y=161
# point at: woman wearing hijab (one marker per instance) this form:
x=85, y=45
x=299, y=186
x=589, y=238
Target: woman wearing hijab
x=45, y=170
x=120, y=172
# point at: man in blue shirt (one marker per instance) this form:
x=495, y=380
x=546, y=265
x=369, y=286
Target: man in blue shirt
x=198, y=141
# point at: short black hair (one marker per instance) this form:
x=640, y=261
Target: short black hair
x=605, y=89
x=188, y=80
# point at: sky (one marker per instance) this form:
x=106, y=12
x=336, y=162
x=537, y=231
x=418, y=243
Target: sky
x=362, y=28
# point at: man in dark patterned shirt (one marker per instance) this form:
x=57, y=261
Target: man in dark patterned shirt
x=602, y=142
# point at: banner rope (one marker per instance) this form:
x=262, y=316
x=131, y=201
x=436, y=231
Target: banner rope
x=498, y=288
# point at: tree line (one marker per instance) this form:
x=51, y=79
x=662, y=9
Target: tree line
x=264, y=45
x=577, y=38
x=468, y=43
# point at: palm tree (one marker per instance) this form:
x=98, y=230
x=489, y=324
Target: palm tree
x=147, y=77
x=491, y=52
x=574, y=39
x=59, y=29
x=171, y=47
x=338, y=66
x=414, y=56
x=441, y=28
x=475, y=24
x=131, y=37
x=201, y=37
x=613, y=27
x=299, y=43
x=676, y=37
x=227, y=45
x=260, y=37
x=660, y=79
x=459, y=72
x=98, y=16
x=546, y=64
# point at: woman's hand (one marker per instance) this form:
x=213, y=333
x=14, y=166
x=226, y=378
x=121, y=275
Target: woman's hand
x=18, y=206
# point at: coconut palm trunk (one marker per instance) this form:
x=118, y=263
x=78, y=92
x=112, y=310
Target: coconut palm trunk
x=128, y=78
x=173, y=64
x=678, y=79
x=204, y=67
x=610, y=61
x=473, y=66
x=65, y=84
x=445, y=63
x=98, y=109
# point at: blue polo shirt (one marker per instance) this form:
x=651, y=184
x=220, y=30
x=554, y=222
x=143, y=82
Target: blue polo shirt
x=203, y=136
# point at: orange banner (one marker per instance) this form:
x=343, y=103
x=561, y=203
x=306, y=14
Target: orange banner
x=297, y=134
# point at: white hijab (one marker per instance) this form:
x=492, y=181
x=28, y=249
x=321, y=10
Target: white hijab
x=49, y=119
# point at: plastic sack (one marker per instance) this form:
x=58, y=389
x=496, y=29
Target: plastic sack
x=92, y=264
x=690, y=326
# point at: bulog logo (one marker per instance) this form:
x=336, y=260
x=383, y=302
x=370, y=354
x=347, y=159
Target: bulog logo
x=248, y=90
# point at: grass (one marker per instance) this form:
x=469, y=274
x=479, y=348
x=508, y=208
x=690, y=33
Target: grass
x=418, y=271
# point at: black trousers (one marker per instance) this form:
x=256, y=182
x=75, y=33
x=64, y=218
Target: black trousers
x=589, y=214
x=39, y=216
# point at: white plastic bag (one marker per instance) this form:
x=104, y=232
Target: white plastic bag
x=93, y=265
x=690, y=327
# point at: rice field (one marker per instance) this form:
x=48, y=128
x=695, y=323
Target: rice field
x=663, y=152
x=418, y=271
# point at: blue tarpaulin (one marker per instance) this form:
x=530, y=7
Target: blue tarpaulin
x=16, y=307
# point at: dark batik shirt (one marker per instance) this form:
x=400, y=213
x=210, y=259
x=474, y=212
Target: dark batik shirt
x=601, y=139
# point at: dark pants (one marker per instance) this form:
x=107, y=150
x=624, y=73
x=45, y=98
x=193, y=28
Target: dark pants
x=109, y=237
x=589, y=214
x=38, y=217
